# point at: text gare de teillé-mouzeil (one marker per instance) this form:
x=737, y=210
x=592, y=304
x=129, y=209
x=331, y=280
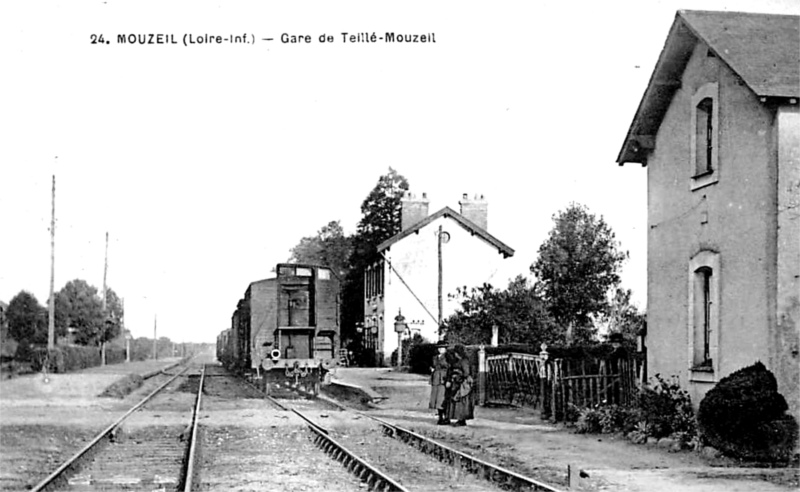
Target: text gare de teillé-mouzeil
x=285, y=38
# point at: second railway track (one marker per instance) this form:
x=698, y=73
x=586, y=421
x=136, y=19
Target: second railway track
x=138, y=451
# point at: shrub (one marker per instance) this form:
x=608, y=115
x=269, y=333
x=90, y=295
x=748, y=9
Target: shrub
x=420, y=356
x=114, y=355
x=606, y=419
x=65, y=358
x=589, y=421
x=744, y=416
x=666, y=408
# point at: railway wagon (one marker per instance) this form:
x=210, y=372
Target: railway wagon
x=222, y=347
x=285, y=330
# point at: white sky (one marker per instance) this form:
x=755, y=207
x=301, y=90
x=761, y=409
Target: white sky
x=206, y=164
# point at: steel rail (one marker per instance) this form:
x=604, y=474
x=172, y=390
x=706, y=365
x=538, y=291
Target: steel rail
x=50, y=479
x=488, y=471
x=193, y=441
x=374, y=478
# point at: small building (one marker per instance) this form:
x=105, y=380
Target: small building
x=718, y=128
x=423, y=266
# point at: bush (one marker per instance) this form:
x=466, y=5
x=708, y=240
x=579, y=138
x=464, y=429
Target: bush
x=65, y=358
x=744, y=416
x=114, y=355
x=589, y=421
x=606, y=419
x=420, y=356
x=666, y=409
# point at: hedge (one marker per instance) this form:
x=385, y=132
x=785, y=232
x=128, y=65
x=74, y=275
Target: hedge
x=68, y=358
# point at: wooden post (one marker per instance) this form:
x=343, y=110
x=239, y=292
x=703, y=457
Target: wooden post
x=105, y=306
x=51, y=305
x=481, y=375
x=440, y=280
x=155, y=338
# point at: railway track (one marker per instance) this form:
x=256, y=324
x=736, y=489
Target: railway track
x=397, y=461
x=133, y=456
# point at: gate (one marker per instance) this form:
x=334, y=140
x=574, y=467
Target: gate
x=515, y=379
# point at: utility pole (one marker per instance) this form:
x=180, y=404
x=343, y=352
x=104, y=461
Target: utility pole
x=155, y=339
x=440, y=281
x=126, y=334
x=105, y=306
x=51, y=305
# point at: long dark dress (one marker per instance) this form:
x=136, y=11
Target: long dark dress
x=438, y=379
x=461, y=401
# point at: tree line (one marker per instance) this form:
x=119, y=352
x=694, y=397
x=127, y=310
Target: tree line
x=79, y=315
x=576, y=288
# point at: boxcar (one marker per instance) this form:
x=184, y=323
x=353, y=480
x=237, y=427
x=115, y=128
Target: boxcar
x=285, y=330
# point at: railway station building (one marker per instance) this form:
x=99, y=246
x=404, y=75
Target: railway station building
x=718, y=129
x=422, y=267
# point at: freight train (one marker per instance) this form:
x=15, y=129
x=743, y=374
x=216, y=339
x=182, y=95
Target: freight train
x=285, y=330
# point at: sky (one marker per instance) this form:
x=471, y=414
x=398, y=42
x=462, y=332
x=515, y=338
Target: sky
x=206, y=163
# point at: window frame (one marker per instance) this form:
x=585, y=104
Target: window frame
x=708, y=173
x=704, y=265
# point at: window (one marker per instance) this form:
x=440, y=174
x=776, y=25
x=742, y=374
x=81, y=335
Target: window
x=373, y=280
x=703, y=330
x=324, y=274
x=702, y=352
x=705, y=136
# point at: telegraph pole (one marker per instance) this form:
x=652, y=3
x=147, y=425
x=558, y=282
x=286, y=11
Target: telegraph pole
x=126, y=334
x=105, y=305
x=155, y=339
x=440, y=281
x=51, y=305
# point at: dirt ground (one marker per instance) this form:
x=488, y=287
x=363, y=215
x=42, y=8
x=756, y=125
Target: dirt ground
x=518, y=439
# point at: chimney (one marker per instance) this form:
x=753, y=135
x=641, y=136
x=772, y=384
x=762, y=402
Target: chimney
x=475, y=210
x=412, y=209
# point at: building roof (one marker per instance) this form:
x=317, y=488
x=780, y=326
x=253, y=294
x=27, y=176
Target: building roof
x=762, y=49
x=467, y=224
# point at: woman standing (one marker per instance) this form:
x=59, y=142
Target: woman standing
x=460, y=405
x=438, y=379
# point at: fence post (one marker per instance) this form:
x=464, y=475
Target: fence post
x=481, y=375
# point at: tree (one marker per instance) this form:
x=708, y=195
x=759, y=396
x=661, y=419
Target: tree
x=518, y=312
x=27, y=319
x=577, y=265
x=380, y=220
x=380, y=211
x=78, y=307
x=113, y=316
x=623, y=317
x=329, y=247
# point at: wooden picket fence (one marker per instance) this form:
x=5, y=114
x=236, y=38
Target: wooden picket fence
x=551, y=385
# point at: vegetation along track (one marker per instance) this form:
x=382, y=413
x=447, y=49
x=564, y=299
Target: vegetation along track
x=133, y=453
